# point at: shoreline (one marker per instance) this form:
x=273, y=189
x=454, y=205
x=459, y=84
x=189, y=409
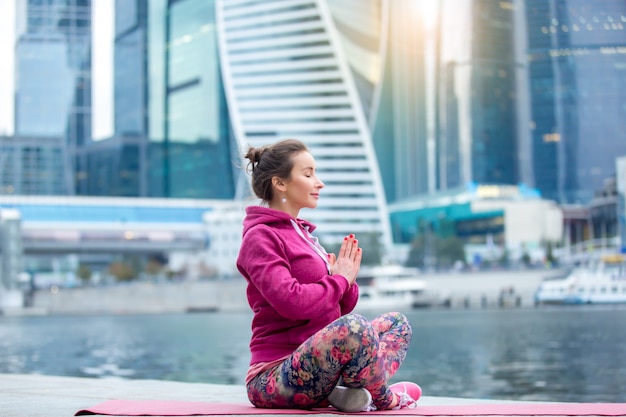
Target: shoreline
x=456, y=290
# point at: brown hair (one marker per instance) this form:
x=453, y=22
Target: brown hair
x=269, y=161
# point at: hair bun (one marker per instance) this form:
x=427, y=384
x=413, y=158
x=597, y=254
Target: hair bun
x=254, y=155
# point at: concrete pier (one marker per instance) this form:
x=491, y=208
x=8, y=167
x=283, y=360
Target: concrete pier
x=52, y=396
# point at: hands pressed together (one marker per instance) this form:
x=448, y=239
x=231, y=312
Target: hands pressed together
x=348, y=261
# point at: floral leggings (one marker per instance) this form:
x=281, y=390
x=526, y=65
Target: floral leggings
x=363, y=353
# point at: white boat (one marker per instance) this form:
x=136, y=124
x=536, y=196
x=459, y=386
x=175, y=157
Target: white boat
x=599, y=282
x=392, y=287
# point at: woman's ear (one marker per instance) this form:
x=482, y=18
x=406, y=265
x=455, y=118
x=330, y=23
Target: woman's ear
x=278, y=184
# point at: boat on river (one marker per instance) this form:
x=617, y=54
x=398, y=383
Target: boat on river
x=393, y=287
x=598, y=282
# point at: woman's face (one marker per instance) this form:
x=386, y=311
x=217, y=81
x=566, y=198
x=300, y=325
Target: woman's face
x=303, y=188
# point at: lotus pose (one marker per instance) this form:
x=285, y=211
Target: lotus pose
x=307, y=347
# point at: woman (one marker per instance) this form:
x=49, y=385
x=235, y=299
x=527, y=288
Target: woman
x=304, y=339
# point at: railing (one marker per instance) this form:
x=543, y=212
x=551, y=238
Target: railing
x=589, y=250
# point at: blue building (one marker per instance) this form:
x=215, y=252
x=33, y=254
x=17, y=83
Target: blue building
x=33, y=165
x=131, y=68
x=191, y=153
x=577, y=53
x=479, y=98
x=53, y=79
x=117, y=166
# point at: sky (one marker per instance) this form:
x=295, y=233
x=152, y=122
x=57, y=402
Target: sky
x=102, y=66
x=7, y=29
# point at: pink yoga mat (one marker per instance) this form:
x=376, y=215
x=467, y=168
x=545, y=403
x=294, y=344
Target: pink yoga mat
x=188, y=408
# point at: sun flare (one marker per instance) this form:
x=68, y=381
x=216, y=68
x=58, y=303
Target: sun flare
x=427, y=11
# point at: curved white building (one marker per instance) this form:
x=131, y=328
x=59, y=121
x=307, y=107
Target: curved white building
x=287, y=75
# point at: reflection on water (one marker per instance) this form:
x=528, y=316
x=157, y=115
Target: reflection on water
x=560, y=354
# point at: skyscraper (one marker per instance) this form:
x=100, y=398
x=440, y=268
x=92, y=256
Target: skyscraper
x=398, y=115
x=53, y=78
x=577, y=52
x=286, y=74
x=131, y=68
x=480, y=94
x=190, y=151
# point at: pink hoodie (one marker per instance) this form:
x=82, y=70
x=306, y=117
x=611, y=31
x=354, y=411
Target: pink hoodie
x=289, y=288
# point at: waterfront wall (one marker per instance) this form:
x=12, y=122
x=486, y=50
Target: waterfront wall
x=458, y=290
x=484, y=289
x=144, y=298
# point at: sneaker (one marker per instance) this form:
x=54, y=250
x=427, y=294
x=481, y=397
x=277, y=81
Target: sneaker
x=407, y=392
x=350, y=400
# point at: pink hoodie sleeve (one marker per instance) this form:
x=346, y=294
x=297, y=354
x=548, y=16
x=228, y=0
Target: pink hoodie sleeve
x=349, y=300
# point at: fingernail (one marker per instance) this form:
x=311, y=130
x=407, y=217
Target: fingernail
x=345, y=238
x=351, y=235
x=355, y=241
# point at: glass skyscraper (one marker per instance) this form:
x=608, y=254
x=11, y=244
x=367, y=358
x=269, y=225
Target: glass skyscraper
x=308, y=70
x=32, y=165
x=53, y=79
x=190, y=149
x=117, y=165
x=577, y=53
x=131, y=68
x=398, y=114
x=479, y=106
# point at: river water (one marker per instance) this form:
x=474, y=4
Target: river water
x=549, y=354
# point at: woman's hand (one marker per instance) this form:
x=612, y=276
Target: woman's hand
x=348, y=262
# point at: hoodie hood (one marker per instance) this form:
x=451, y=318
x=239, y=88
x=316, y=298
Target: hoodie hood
x=256, y=215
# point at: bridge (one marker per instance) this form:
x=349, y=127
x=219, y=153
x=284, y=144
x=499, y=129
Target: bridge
x=51, y=227
x=60, y=225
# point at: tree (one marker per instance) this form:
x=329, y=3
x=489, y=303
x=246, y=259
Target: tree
x=369, y=244
x=416, y=253
x=449, y=250
x=84, y=273
x=372, y=249
x=550, y=258
x=155, y=264
x=122, y=271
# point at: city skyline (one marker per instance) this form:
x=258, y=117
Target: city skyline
x=399, y=115
x=447, y=98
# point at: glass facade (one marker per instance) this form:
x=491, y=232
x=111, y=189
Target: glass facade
x=478, y=111
x=32, y=165
x=54, y=43
x=190, y=148
x=577, y=53
x=359, y=25
x=400, y=126
x=131, y=60
x=384, y=44
x=116, y=167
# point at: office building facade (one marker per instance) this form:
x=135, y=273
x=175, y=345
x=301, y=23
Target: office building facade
x=398, y=115
x=286, y=74
x=32, y=165
x=480, y=100
x=577, y=53
x=53, y=79
x=117, y=165
x=190, y=153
